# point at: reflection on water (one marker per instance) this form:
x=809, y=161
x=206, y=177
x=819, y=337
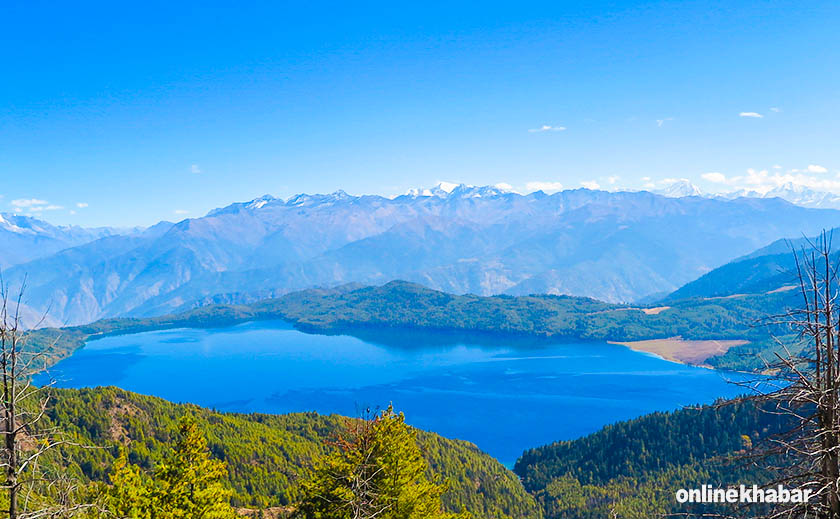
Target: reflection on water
x=501, y=393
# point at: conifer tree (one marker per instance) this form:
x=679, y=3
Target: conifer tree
x=190, y=484
x=376, y=471
x=129, y=496
x=187, y=485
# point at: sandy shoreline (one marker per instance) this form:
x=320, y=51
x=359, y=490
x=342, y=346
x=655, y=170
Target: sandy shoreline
x=677, y=349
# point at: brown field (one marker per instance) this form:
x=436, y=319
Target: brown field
x=783, y=289
x=677, y=349
x=655, y=311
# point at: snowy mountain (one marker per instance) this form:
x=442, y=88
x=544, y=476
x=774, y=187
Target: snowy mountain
x=805, y=197
x=24, y=238
x=680, y=188
x=793, y=193
x=450, y=190
x=618, y=246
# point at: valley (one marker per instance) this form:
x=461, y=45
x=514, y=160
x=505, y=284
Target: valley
x=472, y=368
x=438, y=260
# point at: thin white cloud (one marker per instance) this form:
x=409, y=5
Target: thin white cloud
x=776, y=166
x=28, y=202
x=590, y=184
x=812, y=168
x=81, y=205
x=660, y=122
x=180, y=211
x=775, y=109
x=33, y=205
x=545, y=186
x=613, y=179
x=763, y=181
x=504, y=186
x=751, y=114
x=195, y=169
x=714, y=176
x=645, y=179
x=547, y=128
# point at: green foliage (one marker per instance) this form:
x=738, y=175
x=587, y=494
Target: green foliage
x=129, y=494
x=376, y=471
x=633, y=468
x=267, y=456
x=188, y=484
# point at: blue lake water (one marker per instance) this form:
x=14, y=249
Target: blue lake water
x=505, y=395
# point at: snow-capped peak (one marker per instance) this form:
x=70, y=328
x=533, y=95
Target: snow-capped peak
x=680, y=188
x=259, y=203
x=452, y=190
x=441, y=190
x=796, y=194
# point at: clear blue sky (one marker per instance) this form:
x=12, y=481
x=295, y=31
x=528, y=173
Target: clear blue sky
x=142, y=110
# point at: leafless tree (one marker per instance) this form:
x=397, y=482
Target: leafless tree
x=364, y=500
x=32, y=490
x=804, y=390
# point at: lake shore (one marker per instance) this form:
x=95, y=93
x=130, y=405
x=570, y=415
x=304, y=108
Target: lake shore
x=683, y=351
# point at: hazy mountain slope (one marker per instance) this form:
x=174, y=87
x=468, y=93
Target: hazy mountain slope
x=768, y=268
x=612, y=246
x=24, y=238
x=795, y=194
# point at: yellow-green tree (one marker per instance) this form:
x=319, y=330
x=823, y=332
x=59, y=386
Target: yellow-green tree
x=376, y=470
x=187, y=485
x=129, y=496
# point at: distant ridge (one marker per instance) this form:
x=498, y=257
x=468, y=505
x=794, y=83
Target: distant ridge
x=763, y=270
x=612, y=246
x=24, y=238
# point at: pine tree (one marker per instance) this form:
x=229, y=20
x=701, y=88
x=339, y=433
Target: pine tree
x=187, y=485
x=376, y=470
x=129, y=494
x=190, y=484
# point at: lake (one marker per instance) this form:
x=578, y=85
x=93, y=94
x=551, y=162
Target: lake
x=503, y=394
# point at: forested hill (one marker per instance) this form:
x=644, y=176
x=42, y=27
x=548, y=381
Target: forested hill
x=770, y=268
x=376, y=312
x=634, y=467
x=266, y=455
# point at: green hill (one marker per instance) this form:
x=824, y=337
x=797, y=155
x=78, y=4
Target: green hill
x=749, y=276
x=385, y=312
x=636, y=466
x=266, y=455
x=768, y=268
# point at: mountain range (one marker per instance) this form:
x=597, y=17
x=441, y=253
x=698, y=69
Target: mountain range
x=24, y=238
x=613, y=246
x=793, y=193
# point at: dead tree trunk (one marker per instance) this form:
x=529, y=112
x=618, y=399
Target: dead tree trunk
x=808, y=372
x=30, y=491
